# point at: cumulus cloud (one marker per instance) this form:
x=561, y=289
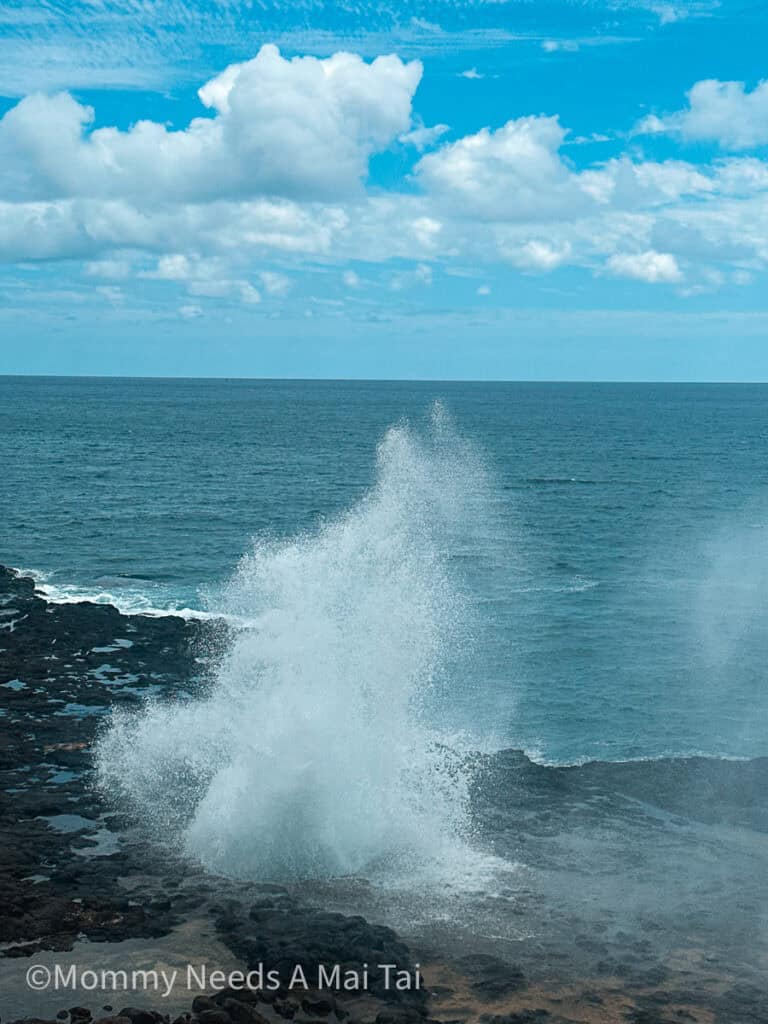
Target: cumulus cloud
x=178, y=267
x=425, y=232
x=723, y=112
x=302, y=128
x=203, y=278
x=538, y=255
x=515, y=172
x=629, y=184
x=652, y=267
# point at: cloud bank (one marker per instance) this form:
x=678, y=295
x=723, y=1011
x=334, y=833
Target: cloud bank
x=276, y=168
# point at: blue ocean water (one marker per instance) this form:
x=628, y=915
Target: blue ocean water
x=617, y=569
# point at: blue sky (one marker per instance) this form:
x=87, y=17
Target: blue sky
x=515, y=190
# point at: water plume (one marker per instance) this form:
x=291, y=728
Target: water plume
x=314, y=751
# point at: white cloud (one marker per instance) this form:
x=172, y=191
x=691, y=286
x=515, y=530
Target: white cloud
x=248, y=293
x=668, y=14
x=301, y=128
x=745, y=176
x=274, y=283
x=76, y=228
x=471, y=73
x=484, y=289
x=730, y=231
x=554, y=45
x=188, y=209
x=210, y=289
x=203, y=278
x=425, y=231
x=631, y=185
x=710, y=280
x=563, y=45
x=114, y=270
x=650, y=266
x=515, y=172
x=539, y=255
x=424, y=273
x=722, y=112
x=190, y=312
x=111, y=293
x=421, y=275
x=178, y=267
x=422, y=138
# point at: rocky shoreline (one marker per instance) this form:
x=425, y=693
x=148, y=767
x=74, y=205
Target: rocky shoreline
x=81, y=886
x=73, y=872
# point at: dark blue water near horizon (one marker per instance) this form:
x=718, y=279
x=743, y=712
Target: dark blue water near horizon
x=623, y=585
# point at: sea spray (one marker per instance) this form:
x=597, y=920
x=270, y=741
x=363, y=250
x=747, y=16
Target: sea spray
x=312, y=753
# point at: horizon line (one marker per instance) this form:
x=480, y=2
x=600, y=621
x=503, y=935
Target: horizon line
x=374, y=380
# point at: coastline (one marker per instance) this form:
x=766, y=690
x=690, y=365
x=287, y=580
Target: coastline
x=84, y=886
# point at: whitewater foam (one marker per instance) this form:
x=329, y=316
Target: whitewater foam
x=129, y=600
x=314, y=752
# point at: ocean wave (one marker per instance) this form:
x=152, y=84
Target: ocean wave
x=128, y=600
x=535, y=755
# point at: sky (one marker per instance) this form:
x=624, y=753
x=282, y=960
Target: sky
x=447, y=189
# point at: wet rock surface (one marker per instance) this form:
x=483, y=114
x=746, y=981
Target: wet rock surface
x=640, y=895
x=61, y=668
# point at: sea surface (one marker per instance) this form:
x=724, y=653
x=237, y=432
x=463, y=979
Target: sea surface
x=604, y=546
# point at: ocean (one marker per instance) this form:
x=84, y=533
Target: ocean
x=583, y=567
